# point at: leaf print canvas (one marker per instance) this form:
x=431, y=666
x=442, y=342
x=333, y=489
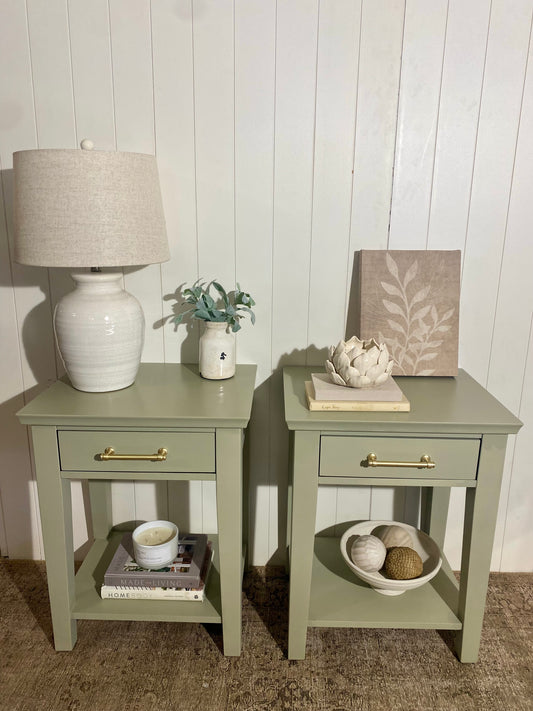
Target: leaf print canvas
x=410, y=301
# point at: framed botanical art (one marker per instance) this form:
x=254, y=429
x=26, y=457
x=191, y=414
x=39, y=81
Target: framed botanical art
x=410, y=301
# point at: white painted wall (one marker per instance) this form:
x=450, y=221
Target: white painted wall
x=288, y=135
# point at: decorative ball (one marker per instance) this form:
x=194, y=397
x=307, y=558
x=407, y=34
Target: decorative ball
x=368, y=553
x=403, y=563
x=393, y=536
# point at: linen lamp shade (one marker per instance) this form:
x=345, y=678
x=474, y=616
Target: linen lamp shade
x=91, y=209
x=84, y=208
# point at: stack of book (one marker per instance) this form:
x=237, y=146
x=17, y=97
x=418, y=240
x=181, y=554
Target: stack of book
x=184, y=579
x=323, y=395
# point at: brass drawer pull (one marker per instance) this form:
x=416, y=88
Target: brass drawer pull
x=109, y=454
x=424, y=463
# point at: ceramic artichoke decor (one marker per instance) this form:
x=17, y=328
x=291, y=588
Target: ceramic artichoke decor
x=359, y=364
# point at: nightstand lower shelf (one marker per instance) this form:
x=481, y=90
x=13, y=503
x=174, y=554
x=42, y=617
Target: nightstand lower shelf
x=88, y=604
x=340, y=599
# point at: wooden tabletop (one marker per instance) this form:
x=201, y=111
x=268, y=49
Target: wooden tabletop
x=163, y=395
x=438, y=404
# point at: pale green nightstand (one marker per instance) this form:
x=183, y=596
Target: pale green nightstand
x=464, y=429
x=201, y=424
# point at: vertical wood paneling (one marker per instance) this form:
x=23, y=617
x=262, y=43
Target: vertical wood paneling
x=131, y=53
x=214, y=104
x=91, y=72
x=513, y=315
x=296, y=57
x=51, y=72
x=462, y=76
x=18, y=115
x=336, y=98
x=423, y=47
x=501, y=520
x=377, y=106
x=518, y=535
x=255, y=38
x=497, y=134
x=453, y=542
x=174, y=133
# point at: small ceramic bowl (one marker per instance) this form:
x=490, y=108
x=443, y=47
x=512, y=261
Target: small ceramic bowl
x=425, y=546
x=155, y=544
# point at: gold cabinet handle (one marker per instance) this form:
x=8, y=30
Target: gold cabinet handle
x=424, y=463
x=109, y=454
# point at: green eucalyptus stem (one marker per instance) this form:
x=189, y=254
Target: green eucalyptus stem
x=227, y=307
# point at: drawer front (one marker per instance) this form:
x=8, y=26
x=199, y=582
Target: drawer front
x=186, y=451
x=346, y=457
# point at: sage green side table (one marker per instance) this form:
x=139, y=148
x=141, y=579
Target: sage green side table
x=200, y=423
x=464, y=430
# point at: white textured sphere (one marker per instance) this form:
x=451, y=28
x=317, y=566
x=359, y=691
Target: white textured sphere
x=368, y=553
x=394, y=536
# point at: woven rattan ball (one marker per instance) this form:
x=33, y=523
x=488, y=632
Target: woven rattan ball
x=403, y=563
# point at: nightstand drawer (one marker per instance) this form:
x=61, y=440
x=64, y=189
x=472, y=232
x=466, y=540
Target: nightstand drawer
x=186, y=451
x=347, y=456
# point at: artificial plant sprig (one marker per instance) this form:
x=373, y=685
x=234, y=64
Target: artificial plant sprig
x=230, y=307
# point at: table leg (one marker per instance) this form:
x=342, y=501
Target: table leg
x=434, y=512
x=56, y=520
x=288, y=533
x=229, y=515
x=305, y=462
x=480, y=522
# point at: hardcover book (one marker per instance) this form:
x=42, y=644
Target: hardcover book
x=130, y=592
x=354, y=404
x=183, y=572
x=323, y=395
x=325, y=390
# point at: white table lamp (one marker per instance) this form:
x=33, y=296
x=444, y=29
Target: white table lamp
x=89, y=209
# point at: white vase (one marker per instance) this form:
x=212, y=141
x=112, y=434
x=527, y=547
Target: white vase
x=217, y=351
x=99, y=330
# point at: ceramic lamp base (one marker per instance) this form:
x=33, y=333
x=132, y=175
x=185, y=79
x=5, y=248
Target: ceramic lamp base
x=99, y=331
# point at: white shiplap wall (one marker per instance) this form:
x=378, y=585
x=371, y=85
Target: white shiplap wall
x=289, y=134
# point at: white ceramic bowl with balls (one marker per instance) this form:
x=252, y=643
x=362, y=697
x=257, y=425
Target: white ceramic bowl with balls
x=425, y=546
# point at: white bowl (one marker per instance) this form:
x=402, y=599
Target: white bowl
x=425, y=546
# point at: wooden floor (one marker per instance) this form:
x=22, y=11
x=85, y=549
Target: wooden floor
x=126, y=666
